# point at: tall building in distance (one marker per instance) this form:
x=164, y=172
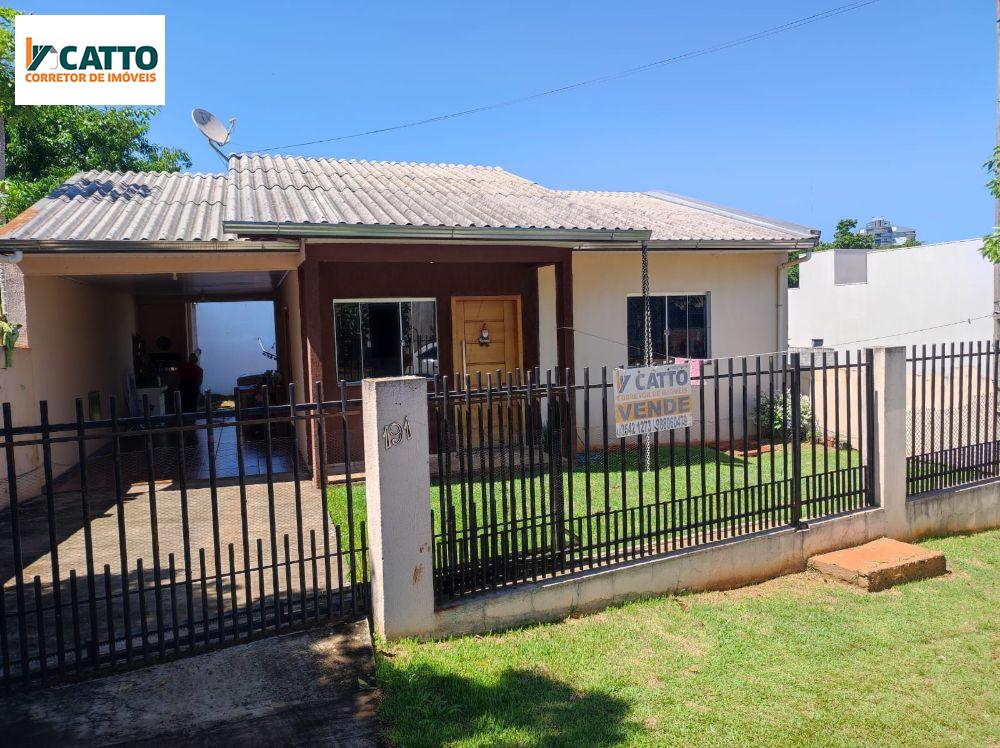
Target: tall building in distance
x=886, y=234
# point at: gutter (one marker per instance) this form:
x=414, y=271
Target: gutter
x=13, y=257
x=43, y=246
x=782, y=293
x=356, y=231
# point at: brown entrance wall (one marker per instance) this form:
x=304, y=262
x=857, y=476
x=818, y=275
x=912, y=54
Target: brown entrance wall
x=341, y=271
x=424, y=280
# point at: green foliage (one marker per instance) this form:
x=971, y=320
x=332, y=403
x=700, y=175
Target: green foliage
x=775, y=415
x=9, y=333
x=991, y=243
x=845, y=237
x=793, y=271
x=47, y=144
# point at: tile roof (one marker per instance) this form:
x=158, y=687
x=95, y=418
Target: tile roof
x=267, y=190
x=295, y=190
x=287, y=189
x=126, y=206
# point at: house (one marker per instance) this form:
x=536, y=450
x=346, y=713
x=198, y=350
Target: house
x=932, y=293
x=380, y=269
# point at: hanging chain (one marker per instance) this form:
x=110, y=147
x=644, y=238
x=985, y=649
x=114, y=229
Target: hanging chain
x=647, y=323
x=647, y=338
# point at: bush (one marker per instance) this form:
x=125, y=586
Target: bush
x=775, y=416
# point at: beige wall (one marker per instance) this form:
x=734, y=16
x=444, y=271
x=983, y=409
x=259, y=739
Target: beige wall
x=547, y=317
x=743, y=295
x=743, y=291
x=17, y=387
x=81, y=341
x=288, y=296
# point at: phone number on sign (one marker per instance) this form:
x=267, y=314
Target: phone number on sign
x=648, y=426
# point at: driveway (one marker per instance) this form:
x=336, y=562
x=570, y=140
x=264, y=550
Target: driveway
x=308, y=688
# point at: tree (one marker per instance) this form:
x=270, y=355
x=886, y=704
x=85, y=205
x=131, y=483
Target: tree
x=845, y=237
x=47, y=144
x=991, y=244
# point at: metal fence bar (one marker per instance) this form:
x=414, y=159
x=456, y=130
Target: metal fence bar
x=955, y=441
x=149, y=610
x=530, y=474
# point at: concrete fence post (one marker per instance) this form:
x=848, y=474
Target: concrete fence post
x=890, y=438
x=397, y=493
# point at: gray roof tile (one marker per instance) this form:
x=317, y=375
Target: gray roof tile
x=127, y=206
x=155, y=206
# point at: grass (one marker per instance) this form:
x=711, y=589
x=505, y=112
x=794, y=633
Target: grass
x=722, y=471
x=794, y=661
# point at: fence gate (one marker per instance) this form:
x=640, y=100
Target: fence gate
x=531, y=482
x=135, y=538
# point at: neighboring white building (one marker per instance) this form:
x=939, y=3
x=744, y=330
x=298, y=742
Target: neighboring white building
x=227, y=336
x=886, y=233
x=933, y=293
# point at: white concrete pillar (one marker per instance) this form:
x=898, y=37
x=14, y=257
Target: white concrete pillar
x=397, y=493
x=890, y=438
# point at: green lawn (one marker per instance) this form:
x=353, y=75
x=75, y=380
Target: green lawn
x=722, y=471
x=791, y=662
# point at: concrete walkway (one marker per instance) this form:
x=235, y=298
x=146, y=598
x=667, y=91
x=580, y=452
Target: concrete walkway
x=308, y=688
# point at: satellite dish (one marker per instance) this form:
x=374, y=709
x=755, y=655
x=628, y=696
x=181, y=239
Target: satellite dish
x=210, y=126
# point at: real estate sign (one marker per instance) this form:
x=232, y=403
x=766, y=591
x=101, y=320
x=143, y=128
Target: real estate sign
x=652, y=398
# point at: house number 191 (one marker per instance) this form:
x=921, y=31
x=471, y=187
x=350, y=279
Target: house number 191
x=394, y=432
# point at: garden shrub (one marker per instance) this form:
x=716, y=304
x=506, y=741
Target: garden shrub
x=775, y=416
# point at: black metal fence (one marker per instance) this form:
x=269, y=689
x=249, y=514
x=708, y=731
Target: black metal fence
x=531, y=481
x=952, y=408
x=133, y=540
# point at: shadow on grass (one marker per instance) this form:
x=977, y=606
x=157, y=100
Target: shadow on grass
x=423, y=706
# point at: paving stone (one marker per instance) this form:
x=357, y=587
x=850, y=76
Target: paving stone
x=880, y=564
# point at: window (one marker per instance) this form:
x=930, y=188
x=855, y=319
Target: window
x=680, y=327
x=385, y=338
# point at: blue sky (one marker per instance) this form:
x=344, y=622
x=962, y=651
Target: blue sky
x=886, y=110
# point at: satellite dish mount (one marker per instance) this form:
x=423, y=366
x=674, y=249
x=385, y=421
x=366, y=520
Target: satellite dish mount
x=214, y=131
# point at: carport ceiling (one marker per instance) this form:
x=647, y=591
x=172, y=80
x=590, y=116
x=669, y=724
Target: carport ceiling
x=261, y=283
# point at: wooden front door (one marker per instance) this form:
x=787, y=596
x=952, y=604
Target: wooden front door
x=486, y=335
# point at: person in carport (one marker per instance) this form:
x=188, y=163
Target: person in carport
x=191, y=376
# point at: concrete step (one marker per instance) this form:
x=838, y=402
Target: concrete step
x=880, y=564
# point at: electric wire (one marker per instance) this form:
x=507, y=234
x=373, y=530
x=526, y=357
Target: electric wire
x=682, y=57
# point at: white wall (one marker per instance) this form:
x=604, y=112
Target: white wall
x=939, y=286
x=742, y=307
x=227, y=336
x=743, y=289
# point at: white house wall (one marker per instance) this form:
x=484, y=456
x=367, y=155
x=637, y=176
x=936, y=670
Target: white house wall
x=743, y=293
x=742, y=305
x=926, y=294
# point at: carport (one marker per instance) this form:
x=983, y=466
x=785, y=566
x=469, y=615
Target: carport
x=112, y=264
